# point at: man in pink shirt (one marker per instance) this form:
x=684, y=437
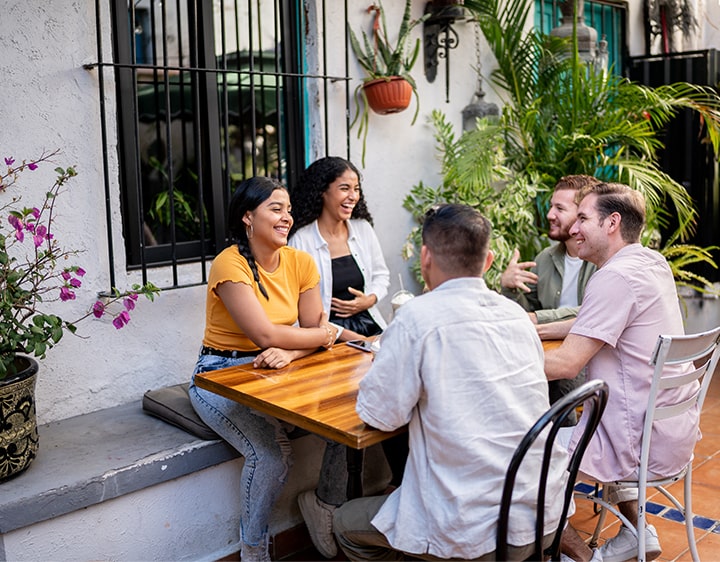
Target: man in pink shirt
x=628, y=303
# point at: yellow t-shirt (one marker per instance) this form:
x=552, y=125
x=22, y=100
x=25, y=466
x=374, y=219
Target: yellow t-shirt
x=296, y=274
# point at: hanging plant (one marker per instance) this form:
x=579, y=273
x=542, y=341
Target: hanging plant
x=388, y=86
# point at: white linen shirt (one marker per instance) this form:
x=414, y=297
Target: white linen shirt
x=365, y=249
x=463, y=366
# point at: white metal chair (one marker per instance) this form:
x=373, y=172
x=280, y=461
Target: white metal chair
x=703, y=351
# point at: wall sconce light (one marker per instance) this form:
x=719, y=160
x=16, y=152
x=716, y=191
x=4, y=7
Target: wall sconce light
x=589, y=50
x=440, y=37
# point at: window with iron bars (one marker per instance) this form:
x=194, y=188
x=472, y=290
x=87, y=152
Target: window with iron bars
x=208, y=93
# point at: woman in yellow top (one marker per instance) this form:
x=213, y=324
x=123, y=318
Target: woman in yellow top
x=263, y=306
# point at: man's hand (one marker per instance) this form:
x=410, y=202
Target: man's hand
x=345, y=309
x=516, y=274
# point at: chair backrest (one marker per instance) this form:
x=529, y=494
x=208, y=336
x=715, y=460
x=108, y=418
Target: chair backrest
x=703, y=351
x=593, y=396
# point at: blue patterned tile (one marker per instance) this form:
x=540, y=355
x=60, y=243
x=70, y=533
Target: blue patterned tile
x=654, y=508
x=674, y=515
x=703, y=523
x=584, y=488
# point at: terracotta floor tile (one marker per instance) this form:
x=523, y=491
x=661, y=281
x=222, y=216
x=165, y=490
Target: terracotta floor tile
x=706, y=492
x=709, y=421
x=706, y=448
x=673, y=538
x=708, y=546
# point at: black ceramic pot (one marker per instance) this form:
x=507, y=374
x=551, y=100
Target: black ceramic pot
x=18, y=422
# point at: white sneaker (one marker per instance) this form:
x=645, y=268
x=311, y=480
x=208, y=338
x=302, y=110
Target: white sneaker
x=624, y=545
x=318, y=517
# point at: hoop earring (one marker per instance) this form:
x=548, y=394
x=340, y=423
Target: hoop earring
x=249, y=232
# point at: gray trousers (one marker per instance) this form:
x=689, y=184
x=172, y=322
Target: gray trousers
x=359, y=540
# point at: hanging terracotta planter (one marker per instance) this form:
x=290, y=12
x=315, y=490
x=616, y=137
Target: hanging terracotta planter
x=18, y=423
x=388, y=96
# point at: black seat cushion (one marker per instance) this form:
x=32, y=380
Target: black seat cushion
x=172, y=404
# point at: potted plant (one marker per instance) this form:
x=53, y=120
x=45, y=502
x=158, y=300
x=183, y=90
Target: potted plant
x=474, y=173
x=388, y=87
x=36, y=275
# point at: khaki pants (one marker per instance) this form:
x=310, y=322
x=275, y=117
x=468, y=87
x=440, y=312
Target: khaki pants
x=359, y=540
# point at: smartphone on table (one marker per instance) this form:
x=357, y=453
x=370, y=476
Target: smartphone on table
x=363, y=345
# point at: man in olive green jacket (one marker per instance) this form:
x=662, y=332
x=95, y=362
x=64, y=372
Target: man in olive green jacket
x=551, y=288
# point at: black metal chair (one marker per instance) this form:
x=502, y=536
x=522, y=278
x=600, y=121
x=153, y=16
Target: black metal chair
x=593, y=396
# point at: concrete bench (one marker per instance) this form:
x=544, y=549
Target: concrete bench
x=120, y=484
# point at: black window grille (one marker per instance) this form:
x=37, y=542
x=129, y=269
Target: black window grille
x=207, y=93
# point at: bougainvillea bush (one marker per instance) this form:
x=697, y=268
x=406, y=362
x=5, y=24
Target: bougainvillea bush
x=36, y=269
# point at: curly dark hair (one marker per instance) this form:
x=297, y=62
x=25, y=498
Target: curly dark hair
x=306, y=197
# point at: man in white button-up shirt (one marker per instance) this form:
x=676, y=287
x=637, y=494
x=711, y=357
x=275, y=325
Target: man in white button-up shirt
x=463, y=366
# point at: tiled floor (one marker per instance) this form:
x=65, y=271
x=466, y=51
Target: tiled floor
x=706, y=499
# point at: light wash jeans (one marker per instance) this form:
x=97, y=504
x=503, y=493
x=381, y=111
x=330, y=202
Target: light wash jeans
x=264, y=443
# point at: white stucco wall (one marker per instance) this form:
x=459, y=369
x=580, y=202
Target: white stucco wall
x=50, y=101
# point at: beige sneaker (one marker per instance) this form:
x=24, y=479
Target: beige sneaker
x=258, y=553
x=318, y=517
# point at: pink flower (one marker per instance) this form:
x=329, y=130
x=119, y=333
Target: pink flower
x=15, y=222
x=121, y=319
x=66, y=294
x=18, y=225
x=9, y=161
x=98, y=309
x=40, y=236
x=36, y=212
x=65, y=275
x=76, y=283
x=129, y=304
x=32, y=166
x=80, y=272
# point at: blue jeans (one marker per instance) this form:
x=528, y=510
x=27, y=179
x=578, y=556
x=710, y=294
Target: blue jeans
x=264, y=443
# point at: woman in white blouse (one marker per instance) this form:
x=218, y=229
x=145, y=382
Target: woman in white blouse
x=333, y=224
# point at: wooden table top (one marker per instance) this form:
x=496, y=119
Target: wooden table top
x=551, y=344
x=317, y=393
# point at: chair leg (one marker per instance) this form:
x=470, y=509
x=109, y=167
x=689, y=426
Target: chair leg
x=598, y=527
x=641, y=523
x=689, y=516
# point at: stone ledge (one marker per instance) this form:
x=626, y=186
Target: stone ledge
x=92, y=458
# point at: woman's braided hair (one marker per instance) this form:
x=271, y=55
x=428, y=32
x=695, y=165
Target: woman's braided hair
x=249, y=194
x=306, y=197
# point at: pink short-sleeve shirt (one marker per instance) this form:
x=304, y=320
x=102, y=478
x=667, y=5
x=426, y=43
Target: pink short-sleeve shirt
x=628, y=303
